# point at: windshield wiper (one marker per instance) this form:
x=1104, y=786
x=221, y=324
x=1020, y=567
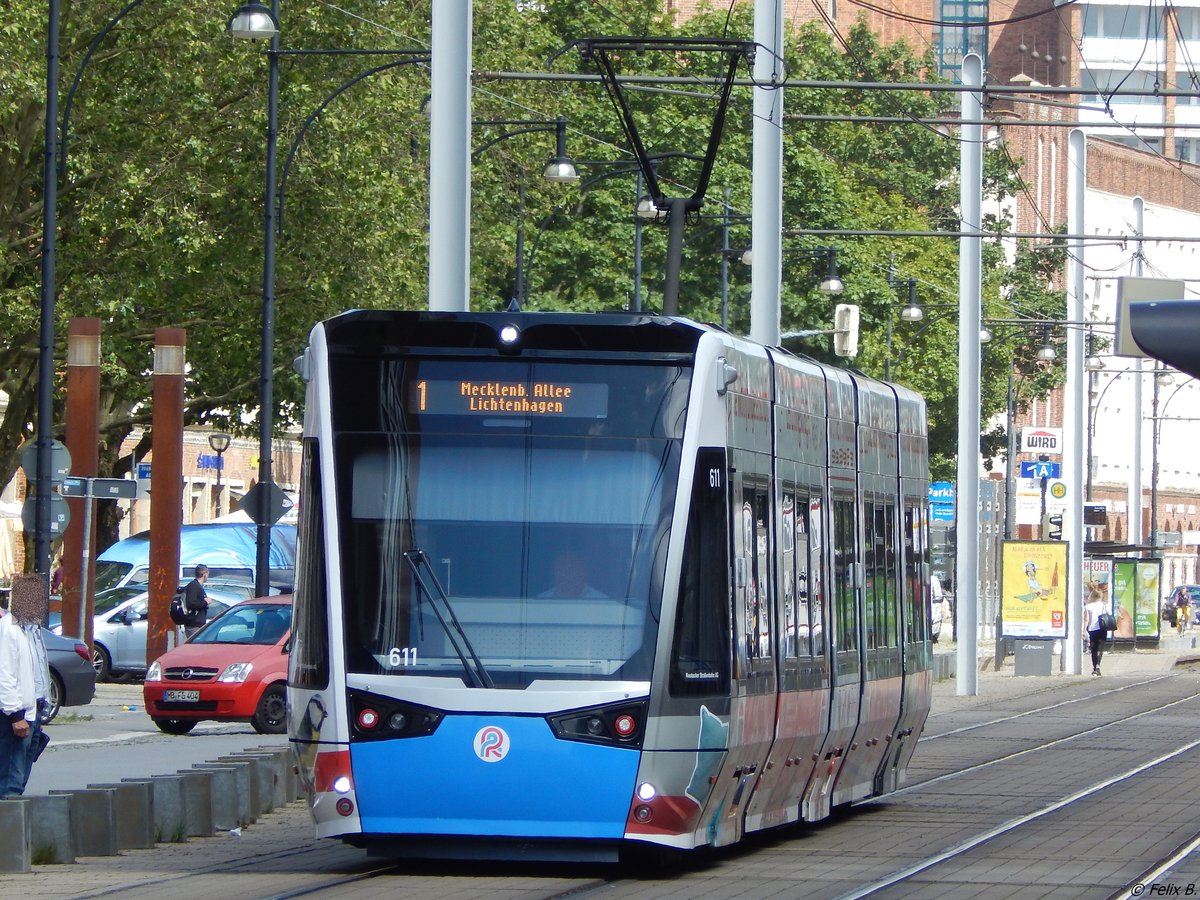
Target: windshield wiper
x=418, y=561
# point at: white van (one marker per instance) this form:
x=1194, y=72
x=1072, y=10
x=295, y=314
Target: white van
x=229, y=551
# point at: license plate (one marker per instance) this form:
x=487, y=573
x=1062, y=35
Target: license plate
x=181, y=696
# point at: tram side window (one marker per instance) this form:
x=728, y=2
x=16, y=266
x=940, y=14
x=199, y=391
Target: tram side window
x=880, y=565
x=310, y=642
x=890, y=589
x=787, y=570
x=915, y=624
x=796, y=588
x=757, y=621
x=816, y=584
x=845, y=613
x=701, y=655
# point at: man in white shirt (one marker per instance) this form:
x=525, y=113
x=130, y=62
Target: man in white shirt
x=18, y=692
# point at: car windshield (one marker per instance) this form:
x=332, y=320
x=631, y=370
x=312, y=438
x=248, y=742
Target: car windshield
x=110, y=600
x=109, y=574
x=248, y=624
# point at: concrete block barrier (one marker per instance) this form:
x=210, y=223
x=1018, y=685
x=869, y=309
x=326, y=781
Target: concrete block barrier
x=223, y=786
x=198, y=803
x=170, y=806
x=51, y=839
x=93, y=821
x=280, y=761
x=133, y=806
x=293, y=788
x=263, y=774
x=15, y=837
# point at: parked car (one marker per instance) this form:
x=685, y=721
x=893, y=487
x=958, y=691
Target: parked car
x=72, y=678
x=119, y=634
x=232, y=670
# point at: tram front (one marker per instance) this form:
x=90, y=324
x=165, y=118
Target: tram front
x=485, y=513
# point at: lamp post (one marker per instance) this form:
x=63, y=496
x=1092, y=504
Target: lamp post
x=219, y=441
x=45, y=391
x=560, y=169
x=1162, y=378
x=54, y=166
x=253, y=21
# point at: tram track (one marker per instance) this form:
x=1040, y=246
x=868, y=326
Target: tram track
x=1090, y=698
x=970, y=843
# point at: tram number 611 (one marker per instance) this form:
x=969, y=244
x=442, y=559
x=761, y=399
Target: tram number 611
x=402, y=656
x=714, y=478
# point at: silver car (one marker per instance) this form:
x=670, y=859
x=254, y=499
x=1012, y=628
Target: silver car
x=119, y=634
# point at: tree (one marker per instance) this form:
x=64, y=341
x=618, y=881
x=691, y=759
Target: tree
x=160, y=215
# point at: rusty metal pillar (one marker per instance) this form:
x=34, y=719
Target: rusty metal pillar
x=166, y=484
x=82, y=440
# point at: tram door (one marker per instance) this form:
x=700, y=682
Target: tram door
x=752, y=712
x=845, y=661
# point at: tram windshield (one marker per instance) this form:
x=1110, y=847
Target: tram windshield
x=536, y=498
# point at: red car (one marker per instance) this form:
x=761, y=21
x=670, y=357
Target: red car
x=233, y=670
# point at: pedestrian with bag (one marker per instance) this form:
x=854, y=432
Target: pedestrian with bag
x=19, y=683
x=195, y=602
x=1097, y=623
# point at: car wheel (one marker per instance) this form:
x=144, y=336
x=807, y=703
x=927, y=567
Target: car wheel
x=101, y=662
x=54, y=701
x=175, y=726
x=271, y=715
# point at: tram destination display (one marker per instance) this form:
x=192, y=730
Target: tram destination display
x=491, y=397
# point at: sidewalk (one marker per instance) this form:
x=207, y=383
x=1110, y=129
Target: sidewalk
x=1120, y=660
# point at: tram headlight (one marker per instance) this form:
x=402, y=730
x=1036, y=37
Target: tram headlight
x=377, y=718
x=646, y=792
x=342, y=784
x=509, y=334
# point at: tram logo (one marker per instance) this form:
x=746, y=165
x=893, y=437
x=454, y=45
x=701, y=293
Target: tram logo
x=491, y=743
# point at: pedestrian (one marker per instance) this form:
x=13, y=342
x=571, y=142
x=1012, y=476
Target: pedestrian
x=38, y=739
x=195, y=601
x=1096, y=632
x=18, y=685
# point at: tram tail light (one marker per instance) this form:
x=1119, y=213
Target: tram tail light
x=621, y=724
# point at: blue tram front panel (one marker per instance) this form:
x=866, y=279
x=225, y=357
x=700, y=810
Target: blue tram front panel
x=493, y=775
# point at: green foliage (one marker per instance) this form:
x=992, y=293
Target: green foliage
x=160, y=217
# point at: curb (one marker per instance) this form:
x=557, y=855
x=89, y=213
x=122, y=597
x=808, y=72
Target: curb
x=104, y=819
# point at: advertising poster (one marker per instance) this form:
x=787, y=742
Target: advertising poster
x=1033, y=589
x=1146, y=613
x=1135, y=593
x=1097, y=585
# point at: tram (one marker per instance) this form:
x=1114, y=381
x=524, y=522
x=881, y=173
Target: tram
x=571, y=584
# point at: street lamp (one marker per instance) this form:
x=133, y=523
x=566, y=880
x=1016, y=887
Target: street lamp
x=253, y=21
x=55, y=162
x=219, y=441
x=560, y=169
x=831, y=284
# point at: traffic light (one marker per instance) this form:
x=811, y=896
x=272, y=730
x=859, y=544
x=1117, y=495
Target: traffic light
x=845, y=329
x=1166, y=329
x=1052, y=527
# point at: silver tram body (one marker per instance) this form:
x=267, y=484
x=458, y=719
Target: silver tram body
x=741, y=636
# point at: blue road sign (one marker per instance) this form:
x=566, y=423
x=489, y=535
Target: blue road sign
x=941, y=512
x=941, y=491
x=1041, y=469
